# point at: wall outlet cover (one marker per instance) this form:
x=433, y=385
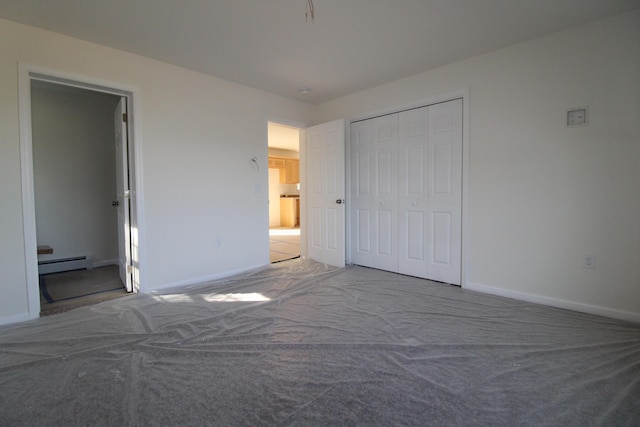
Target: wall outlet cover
x=589, y=261
x=577, y=117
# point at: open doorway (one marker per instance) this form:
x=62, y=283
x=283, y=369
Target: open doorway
x=66, y=198
x=75, y=151
x=284, y=192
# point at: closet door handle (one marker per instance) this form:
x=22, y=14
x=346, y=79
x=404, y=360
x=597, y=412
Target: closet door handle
x=341, y=201
x=115, y=203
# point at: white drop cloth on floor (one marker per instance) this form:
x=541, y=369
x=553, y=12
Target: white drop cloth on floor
x=304, y=344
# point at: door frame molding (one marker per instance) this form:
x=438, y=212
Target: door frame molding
x=27, y=73
x=302, y=157
x=424, y=102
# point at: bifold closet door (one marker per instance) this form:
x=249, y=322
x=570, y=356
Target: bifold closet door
x=374, y=192
x=430, y=192
x=406, y=191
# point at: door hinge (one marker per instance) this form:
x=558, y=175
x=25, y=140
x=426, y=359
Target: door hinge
x=124, y=117
x=129, y=269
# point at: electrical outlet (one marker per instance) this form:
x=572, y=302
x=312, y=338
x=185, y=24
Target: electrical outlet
x=589, y=261
x=577, y=117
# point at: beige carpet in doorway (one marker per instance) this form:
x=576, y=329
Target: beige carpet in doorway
x=284, y=244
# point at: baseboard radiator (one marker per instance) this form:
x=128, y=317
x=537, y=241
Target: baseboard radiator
x=65, y=264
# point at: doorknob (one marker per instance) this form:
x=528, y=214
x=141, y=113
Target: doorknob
x=115, y=203
x=341, y=201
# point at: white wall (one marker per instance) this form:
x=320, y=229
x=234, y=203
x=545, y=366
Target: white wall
x=542, y=195
x=74, y=172
x=198, y=136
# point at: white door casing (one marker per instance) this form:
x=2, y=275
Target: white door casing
x=27, y=73
x=326, y=193
x=122, y=192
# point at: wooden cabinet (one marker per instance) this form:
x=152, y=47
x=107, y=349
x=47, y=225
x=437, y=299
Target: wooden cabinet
x=290, y=212
x=289, y=169
x=291, y=172
x=276, y=163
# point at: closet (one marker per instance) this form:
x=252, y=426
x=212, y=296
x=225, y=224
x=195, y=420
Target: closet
x=406, y=192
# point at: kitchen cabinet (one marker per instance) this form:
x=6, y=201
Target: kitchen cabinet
x=291, y=173
x=290, y=211
x=276, y=163
x=289, y=169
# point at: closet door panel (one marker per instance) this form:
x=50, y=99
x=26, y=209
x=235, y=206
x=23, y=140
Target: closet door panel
x=441, y=230
x=362, y=196
x=444, y=239
x=407, y=192
x=385, y=203
x=363, y=248
x=415, y=236
x=412, y=203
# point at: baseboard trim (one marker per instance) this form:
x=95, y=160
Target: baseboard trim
x=205, y=279
x=556, y=302
x=16, y=318
x=104, y=263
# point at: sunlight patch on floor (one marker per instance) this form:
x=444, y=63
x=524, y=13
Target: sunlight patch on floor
x=284, y=232
x=236, y=297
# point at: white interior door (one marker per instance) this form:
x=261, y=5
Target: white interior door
x=122, y=192
x=414, y=181
x=385, y=185
x=444, y=232
x=326, y=193
x=362, y=192
x=374, y=162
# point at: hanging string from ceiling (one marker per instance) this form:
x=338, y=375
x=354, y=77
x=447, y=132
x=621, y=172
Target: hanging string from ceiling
x=310, y=13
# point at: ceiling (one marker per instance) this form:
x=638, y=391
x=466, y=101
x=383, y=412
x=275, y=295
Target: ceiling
x=351, y=45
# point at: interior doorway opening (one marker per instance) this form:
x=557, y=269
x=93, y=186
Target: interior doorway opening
x=125, y=203
x=283, y=142
x=75, y=164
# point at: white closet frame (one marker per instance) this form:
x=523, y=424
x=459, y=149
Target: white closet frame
x=444, y=97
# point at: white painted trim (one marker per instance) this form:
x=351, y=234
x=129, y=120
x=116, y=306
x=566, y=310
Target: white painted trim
x=466, y=244
x=136, y=221
x=302, y=157
x=26, y=73
x=285, y=122
x=304, y=223
x=16, y=318
x=347, y=191
x=105, y=263
x=28, y=196
x=77, y=80
x=179, y=285
x=555, y=302
x=444, y=97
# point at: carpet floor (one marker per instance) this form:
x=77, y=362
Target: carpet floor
x=284, y=244
x=71, y=289
x=300, y=343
